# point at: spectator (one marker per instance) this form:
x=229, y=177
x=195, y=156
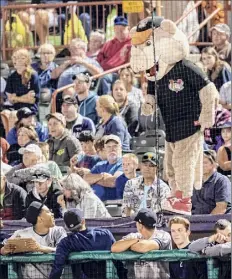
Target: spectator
x=12, y=200
x=70, y=91
x=62, y=145
x=225, y=95
x=225, y=136
x=87, y=99
x=5, y=167
x=81, y=239
x=78, y=194
x=220, y=37
x=148, y=238
x=218, y=71
x=215, y=195
x=144, y=88
x=26, y=117
x=100, y=148
x=127, y=108
x=46, y=237
x=133, y=93
x=74, y=120
x=4, y=148
x=46, y=190
x=83, y=163
x=78, y=63
x=180, y=232
x=96, y=42
x=146, y=190
x=103, y=175
x=45, y=66
x=110, y=122
x=130, y=164
x=22, y=87
x=116, y=52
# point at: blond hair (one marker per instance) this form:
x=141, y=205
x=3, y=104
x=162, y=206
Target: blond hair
x=132, y=157
x=179, y=220
x=46, y=47
x=109, y=104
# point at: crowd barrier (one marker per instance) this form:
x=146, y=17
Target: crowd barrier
x=109, y=263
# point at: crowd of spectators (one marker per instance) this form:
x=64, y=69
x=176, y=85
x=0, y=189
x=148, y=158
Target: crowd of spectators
x=81, y=156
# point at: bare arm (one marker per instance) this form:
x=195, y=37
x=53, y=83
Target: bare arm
x=60, y=69
x=222, y=159
x=94, y=70
x=220, y=208
x=123, y=245
x=93, y=178
x=144, y=246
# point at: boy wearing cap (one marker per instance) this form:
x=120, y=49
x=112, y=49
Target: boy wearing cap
x=116, y=52
x=146, y=239
x=215, y=195
x=146, y=190
x=74, y=120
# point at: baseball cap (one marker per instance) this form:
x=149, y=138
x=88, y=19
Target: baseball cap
x=33, y=148
x=146, y=217
x=120, y=20
x=60, y=117
x=225, y=125
x=150, y=157
x=85, y=136
x=112, y=137
x=33, y=212
x=41, y=175
x=222, y=27
x=82, y=77
x=24, y=113
x=73, y=217
x=69, y=100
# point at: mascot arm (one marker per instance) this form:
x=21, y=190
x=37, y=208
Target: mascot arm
x=209, y=97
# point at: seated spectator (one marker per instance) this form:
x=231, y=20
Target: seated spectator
x=225, y=136
x=116, y=52
x=180, y=232
x=86, y=98
x=218, y=71
x=71, y=92
x=22, y=87
x=78, y=63
x=96, y=42
x=221, y=40
x=46, y=237
x=12, y=199
x=111, y=122
x=133, y=93
x=5, y=167
x=147, y=238
x=62, y=145
x=78, y=194
x=224, y=158
x=75, y=122
x=127, y=108
x=81, y=239
x=225, y=95
x=146, y=190
x=100, y=148
x=103, y=175
x=130, y=164
x=83, y=163
x=45, y=66
x=46, y=190
x=215, y=195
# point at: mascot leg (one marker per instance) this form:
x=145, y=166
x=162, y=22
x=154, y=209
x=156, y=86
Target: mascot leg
x=184, y=158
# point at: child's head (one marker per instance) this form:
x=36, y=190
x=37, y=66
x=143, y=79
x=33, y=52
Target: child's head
x=226, y=132
x=130, y=163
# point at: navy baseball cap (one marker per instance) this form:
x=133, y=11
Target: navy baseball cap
x=33, y=212
x=146, y=217
x=120, y=20
x=24, y=113
x=73, y=217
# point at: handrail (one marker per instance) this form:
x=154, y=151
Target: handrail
x=188, y=12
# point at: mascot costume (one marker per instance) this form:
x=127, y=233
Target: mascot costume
x=187, y=101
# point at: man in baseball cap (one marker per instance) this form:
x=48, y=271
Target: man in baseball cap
x=220, y=34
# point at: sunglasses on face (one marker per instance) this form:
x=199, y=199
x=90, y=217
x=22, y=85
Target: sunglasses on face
x=149, y=157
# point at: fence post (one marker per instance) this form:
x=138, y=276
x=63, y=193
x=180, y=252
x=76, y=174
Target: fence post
x=212, y=269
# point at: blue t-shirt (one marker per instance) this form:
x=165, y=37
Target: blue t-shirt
x=86, y=161
x=120, y=185
x=216, y=189
x=87, y=240
x=105, y=193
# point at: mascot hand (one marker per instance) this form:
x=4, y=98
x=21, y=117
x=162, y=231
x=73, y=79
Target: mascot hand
x=206, y=123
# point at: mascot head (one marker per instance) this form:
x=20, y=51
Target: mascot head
x=156, y=56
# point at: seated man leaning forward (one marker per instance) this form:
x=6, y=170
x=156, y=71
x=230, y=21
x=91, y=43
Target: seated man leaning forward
x=146, y=239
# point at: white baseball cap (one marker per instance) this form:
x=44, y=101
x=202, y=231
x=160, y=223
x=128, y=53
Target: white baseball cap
x=33, y=148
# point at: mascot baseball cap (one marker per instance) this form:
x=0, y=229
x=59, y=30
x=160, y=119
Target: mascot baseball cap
x=33, y=212
x=73, y=217
x=146, y=217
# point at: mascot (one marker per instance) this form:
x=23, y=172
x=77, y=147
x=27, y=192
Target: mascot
x=187, y=101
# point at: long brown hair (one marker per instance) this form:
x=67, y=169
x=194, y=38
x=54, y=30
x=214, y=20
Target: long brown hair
x=213, y=52
x=30, y=132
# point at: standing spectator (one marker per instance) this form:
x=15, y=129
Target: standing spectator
x=220, y=37
x=148, y=238
x=22, y=87
x=180, y=232
x=62, y=145
x=215, y=195
x=78, y=194
x=86, y=98
x=103, y=175
x=111, y=122
x=130, y=164
x=12, y=200
x=75, y=122
x=225, y=95
x=146, y=190
x=96, y=42
x=116, y=52
x=46, y=190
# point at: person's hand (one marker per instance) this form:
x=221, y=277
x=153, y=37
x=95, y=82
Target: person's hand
x=74, y=160
x=106, y=175
x=11, y=97
x=61, y=201
x=218, y=237
x=79, y=171
x=76, y=60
